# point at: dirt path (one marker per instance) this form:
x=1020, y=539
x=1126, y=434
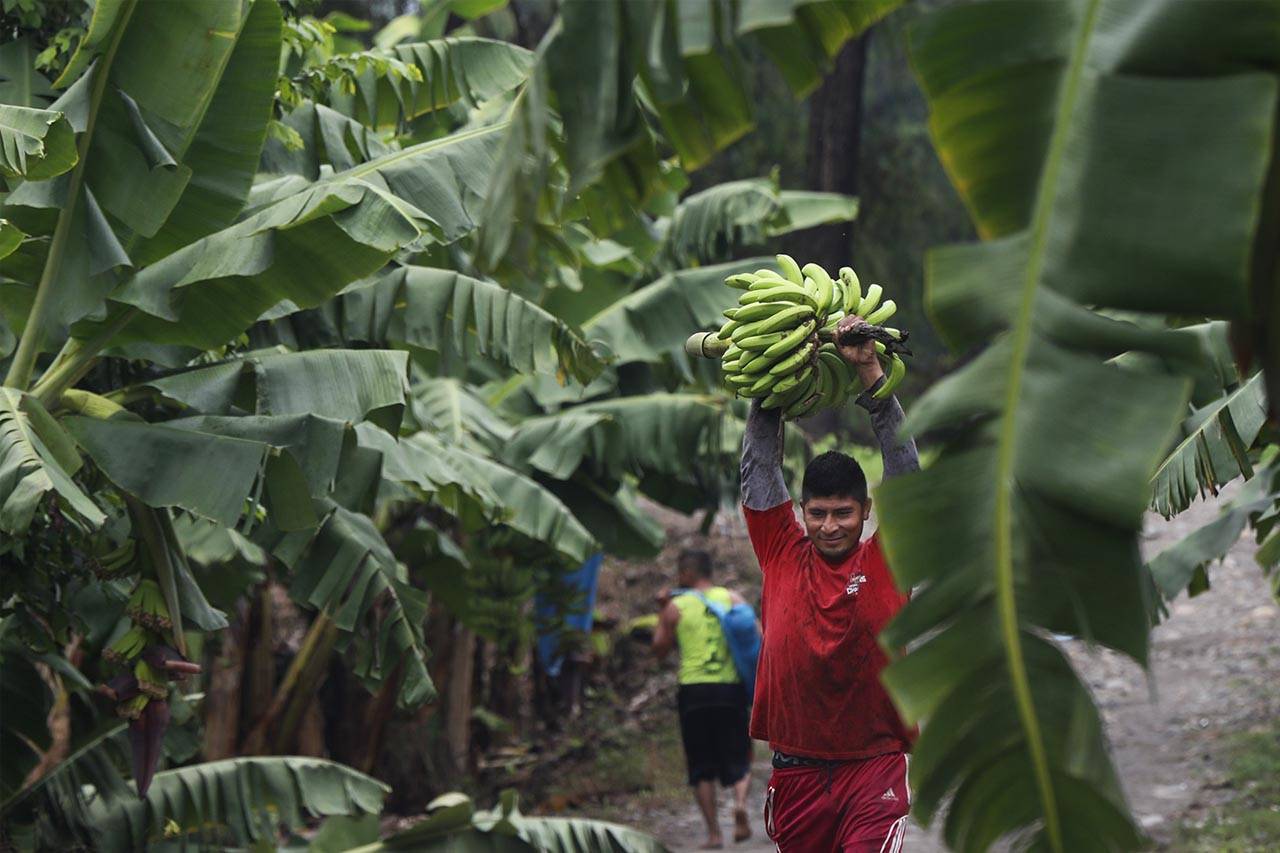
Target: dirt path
x=1216, y=672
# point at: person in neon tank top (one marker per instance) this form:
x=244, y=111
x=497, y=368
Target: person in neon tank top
x=840, y=749
x=711, y=699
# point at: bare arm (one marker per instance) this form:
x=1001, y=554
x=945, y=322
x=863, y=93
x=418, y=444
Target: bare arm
x=900, y=457
x=763, y=486
x=664, y=639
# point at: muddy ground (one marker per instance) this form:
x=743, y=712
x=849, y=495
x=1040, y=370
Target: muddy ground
x=1215, y=673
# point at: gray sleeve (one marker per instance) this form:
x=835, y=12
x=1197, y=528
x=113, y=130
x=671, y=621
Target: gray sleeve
x=763, y=486
x=899, y=456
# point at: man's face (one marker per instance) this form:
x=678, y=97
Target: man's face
x=834, y=525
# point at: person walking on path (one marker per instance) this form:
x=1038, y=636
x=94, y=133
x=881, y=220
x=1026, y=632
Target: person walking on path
x=839, y=781
x=711, y=699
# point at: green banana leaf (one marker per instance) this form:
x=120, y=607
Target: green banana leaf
x=347, y=570
x=237, y=802
x=153, y=463
x=20, y=83
x=648, y=433
x=452, y=411
x=655, y=319
x=453, y=70
x=803, y=37
x=717, y=221
x=443, y=311
x=1213, y=449
x=36, y=457
x=309, y=242
x=326, y=137
x=1184, y=565
x=454, y=824
x=35, y=144
x=143, y=103
x=1056, y=122
x=342, y=385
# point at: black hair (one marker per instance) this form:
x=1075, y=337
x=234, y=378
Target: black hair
x=834, y=475
x=697, y=560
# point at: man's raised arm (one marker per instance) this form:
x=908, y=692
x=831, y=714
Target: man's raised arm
x=763, y=486
x=899, y=456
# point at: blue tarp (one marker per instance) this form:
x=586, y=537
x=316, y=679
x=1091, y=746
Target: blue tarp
x=584, y=580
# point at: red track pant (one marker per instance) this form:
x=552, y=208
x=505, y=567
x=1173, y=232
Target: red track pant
x=855, y=807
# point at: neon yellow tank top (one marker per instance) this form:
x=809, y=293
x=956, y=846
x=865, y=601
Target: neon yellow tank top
x=704, y=652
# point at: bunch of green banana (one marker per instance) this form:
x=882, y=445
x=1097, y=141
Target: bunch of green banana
x=146, y=606
x=777, y=344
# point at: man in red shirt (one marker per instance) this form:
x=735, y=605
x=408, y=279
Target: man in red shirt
x=839, y=747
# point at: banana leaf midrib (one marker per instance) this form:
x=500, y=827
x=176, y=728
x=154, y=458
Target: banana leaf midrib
x=1007, y=607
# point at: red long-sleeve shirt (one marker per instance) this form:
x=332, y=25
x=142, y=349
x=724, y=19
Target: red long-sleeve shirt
x=818, y=690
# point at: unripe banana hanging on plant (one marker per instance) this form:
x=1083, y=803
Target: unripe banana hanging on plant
x=777, y=344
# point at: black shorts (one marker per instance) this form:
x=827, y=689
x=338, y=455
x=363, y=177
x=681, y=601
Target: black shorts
x=714, y=721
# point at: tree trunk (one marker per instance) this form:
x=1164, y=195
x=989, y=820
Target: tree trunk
x=260, y=674
x=457, y=699
x=222, y=702
x=835, y=135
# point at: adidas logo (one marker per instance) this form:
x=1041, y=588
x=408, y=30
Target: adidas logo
x=889, y=795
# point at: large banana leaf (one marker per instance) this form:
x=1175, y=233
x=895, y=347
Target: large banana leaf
x=1184, y=564
x=649, y=433
x=153, y=463
x=36, y=457
x=803, y=37
x=310, y=242
x=238, y=802
x=656, y=318
x=343, y=385
x=453, y=412
x=1213, y=450
x=446, y=311
x=139, y=107
x=1094, y=139
x=347, y=570
x=20, y=83
x=453, y=823
x=452, y=70
x=328, y=138
x=35, y=144
x=713, y=223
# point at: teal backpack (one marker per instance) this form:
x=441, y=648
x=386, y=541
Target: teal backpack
x=739, y=625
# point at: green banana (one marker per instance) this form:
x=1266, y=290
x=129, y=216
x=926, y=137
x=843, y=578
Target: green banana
x=764, y=384
x=741, y=281
x=826, y=287
x=852, y=289
x=785, y=292
x=884, y=312
x=793, y=339
x=894, y=333
x=740, y=380
x=786, y=320
x=803, y=406
x=897, y=369
x=727, y=330
x=870, y=301
x=768, y=275
x=781, y=398
x=793, y=361
x=757, y=311
x=833, y=320
x=790, y=269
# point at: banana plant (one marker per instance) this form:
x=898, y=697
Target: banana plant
x=1061, y=125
